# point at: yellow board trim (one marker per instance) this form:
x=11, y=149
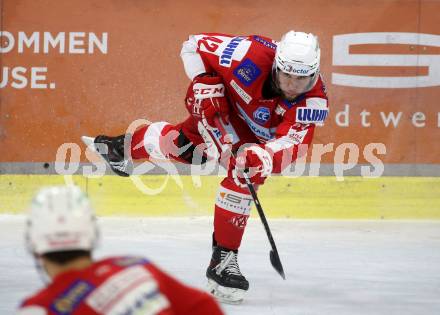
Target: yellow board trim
x=281, y=197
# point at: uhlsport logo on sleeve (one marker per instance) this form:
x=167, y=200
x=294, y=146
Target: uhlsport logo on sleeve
x=308, y=115
x=226, y=56
x=315, y=112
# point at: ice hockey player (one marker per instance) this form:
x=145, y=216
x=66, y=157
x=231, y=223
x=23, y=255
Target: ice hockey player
x=269, y=95
x=61, y=234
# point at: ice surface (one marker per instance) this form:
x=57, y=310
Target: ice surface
x=332, y=267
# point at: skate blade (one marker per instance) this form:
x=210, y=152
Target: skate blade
x=224, y=294
x=88, y=141
x=121, y=170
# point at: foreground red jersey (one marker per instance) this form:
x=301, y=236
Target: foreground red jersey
x=119, y=285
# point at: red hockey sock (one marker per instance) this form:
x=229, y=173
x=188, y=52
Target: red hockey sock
x=232, y=208
x=157, y=140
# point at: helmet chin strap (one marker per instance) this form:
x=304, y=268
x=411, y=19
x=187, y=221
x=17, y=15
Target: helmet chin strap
x=312, y=82
x=42, y=272
x=274, y=80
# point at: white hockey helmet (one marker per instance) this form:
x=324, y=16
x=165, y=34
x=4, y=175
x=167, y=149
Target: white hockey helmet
x=61, y=219
x=298, y=54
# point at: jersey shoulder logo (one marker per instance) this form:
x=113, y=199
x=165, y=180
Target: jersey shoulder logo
x=247, y=72
x=262, y=115
x=315, y=111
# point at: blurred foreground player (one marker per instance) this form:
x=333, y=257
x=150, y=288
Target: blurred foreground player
x=269, y=95
x=61, y=233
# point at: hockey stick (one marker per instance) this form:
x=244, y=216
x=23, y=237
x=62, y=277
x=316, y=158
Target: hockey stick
x=273, y=254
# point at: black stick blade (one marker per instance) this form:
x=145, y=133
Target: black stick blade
x=276, y=263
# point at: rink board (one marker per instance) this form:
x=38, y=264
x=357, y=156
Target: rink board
x=281, y=197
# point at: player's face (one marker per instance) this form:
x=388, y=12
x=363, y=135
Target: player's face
x=292, y=85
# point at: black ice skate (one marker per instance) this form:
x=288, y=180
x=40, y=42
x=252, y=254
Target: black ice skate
x=111, y=149
x=225, y=280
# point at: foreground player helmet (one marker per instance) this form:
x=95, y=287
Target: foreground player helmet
x=61, y=219
x=297, y=56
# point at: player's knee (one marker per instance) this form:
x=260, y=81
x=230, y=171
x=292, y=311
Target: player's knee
x=188, y=152
x=164, y=141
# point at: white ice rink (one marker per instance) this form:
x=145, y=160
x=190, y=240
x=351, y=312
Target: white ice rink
x=332, y=267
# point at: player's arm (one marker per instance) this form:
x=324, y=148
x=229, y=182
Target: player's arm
x=183, y=299
x=192, y=60
x=261, y=160
x=206, y=93
x=293, y=136
x=295, y=132
x=199, y=53
x=291, y=142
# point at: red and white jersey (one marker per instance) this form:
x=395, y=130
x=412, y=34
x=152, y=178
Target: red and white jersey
x=118, y=285
x=245, y=64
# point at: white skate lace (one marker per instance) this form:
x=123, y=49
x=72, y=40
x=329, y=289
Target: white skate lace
x=120, y=166
x=229, y=263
